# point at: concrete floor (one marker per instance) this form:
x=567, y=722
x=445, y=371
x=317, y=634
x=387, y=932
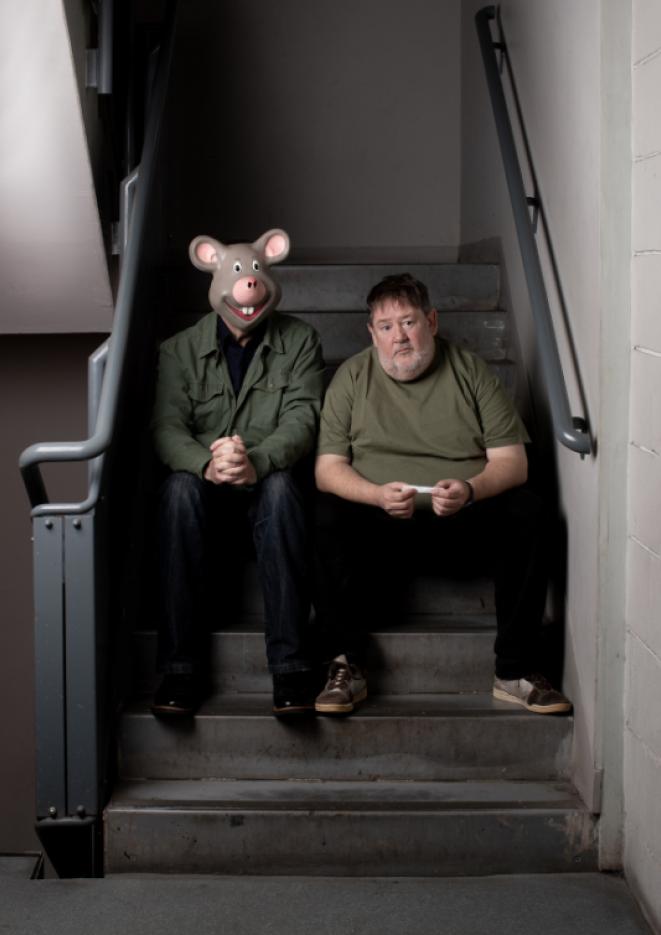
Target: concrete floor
x=549, y=904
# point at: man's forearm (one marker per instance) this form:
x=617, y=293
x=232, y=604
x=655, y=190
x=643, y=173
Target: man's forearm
x=498, y=476
x=285, y=446
x=342, y=480
x=179, y=451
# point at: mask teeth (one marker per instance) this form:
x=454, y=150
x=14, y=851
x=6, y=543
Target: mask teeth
x=249, y=310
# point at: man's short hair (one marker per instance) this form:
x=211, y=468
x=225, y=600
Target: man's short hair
x=402, y=287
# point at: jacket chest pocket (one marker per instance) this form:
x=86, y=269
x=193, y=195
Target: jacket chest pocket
x=210, y=406
x=267, y=397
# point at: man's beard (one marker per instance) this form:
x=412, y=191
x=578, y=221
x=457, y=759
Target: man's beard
x=408, y=367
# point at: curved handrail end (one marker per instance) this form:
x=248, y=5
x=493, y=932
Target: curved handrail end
x=578, y=439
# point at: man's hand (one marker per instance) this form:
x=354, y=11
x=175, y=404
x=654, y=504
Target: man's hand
x=449, y=496
x=230, y=463
x=397, y=499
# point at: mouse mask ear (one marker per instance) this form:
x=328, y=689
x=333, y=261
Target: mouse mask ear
x=273, y=246
x=206, y=253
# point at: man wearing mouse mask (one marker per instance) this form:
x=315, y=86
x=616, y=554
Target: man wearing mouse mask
x=237, y=405
x=423, y=453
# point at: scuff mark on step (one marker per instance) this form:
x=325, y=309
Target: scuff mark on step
x=580, y=834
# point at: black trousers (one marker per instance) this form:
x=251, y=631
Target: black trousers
x=364, y=556
x=202, y=531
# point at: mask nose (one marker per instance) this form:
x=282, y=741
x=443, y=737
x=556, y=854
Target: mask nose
x=249, y=291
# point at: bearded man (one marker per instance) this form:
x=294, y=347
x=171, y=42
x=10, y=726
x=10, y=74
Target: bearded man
x=421, y=456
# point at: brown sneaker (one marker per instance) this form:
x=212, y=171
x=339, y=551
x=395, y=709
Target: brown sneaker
x=534, y=693
x=346, y=687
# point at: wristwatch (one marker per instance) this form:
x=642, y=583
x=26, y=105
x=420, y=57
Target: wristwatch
x=471, y=494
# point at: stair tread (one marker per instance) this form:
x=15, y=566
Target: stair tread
x=420, y=625
x=258, y=705
x=333, y=795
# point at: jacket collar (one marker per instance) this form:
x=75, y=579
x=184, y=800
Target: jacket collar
x=209, y=334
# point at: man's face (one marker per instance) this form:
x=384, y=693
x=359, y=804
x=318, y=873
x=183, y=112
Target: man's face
x=404, y=338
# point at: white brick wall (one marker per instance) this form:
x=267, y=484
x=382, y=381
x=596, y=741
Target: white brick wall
x=647, y=114
x=642, y=760
x=645, y=428
x=646, y=233
x=644, y=595
x=642, y=779
x=646, y=301
x=646, y=28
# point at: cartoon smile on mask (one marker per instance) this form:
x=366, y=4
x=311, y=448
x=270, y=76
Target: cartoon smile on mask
x=242, y=291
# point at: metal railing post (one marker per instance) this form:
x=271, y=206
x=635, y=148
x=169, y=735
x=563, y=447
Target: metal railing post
x=50, y=674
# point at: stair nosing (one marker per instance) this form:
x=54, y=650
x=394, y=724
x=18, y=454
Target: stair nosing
x=379, y=707
x=332, y=796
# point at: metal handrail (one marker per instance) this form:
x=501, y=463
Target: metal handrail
x=127, y=191
x=100, y=440
x=106, y=46
x=571, y=431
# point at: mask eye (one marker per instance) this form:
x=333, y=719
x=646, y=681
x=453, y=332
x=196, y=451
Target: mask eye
x=237, y=267
x=255, y=265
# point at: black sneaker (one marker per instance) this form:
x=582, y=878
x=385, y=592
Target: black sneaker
x=293, y=693
x=179, y=695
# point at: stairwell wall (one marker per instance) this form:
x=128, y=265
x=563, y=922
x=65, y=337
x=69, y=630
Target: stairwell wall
x=558, y=53
x=336, y=121
x=643, y=649
x=53, y=271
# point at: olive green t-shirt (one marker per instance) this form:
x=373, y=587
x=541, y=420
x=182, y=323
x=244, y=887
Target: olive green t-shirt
x=433, y=428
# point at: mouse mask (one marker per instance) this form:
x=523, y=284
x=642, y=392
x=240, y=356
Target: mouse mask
x=242, y=290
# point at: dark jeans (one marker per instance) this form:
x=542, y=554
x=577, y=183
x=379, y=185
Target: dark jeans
x=201, y=529
x=364, y=555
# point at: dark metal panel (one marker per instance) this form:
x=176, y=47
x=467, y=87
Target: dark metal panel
x=50, y=666
x=79, y=569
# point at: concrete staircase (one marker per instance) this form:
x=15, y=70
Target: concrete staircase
x=430, y=777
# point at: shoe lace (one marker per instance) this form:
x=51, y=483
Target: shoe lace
x=339, y=676
x=540, y=681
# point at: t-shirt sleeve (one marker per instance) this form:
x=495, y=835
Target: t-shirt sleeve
x=500, y=422
x=335, y=424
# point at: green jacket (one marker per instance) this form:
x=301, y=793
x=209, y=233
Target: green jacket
x=276, y=412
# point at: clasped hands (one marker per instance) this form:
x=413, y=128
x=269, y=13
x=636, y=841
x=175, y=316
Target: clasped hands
x=447, y=497
x=230, y=463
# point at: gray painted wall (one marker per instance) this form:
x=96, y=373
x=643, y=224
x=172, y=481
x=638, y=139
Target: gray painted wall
x=53, y=273
x=337, y=121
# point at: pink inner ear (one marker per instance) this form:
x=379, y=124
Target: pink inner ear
x=206, y=252
x=275, y=245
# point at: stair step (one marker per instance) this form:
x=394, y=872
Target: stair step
x=347, y=828
x=427, y=594
x=344, y=287
x=337, y=288
x=453, y=654
x=414, y=737
x=345, y=333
